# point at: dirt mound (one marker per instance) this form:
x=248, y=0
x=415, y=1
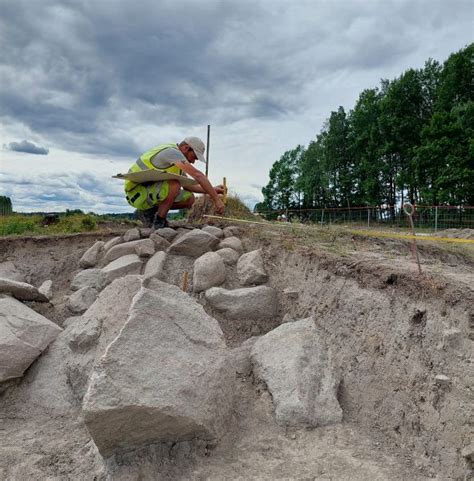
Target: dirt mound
x=234, y=208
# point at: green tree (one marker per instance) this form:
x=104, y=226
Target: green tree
x=5, y=205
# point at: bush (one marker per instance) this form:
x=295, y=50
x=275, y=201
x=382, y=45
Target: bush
x=88, y=223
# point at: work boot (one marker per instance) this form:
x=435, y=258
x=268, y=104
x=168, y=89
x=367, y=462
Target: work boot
x=146, y=216
x=159, y=222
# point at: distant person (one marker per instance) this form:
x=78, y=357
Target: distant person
x=153, y=200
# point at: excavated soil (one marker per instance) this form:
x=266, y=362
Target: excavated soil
x=388, y=331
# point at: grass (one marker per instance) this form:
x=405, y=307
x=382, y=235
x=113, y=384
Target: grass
x=23, y=224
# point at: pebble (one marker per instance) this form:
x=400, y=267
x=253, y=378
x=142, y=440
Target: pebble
x=442, y=380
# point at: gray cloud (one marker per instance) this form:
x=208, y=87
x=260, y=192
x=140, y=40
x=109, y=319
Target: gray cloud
x=26, y=146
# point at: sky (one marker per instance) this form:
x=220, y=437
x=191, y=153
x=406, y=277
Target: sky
x=88, y=85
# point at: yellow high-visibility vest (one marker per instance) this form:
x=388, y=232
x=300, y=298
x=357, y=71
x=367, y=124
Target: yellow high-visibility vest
x=145, y=163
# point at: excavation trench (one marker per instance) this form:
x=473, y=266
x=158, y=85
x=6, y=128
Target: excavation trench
x=402, y=347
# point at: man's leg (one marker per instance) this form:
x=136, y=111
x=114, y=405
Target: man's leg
x=184, y=204
x=166, y=204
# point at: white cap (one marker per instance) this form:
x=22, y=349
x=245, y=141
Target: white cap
x=198, y=146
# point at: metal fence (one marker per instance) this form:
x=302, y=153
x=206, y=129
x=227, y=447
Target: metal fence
x=425, y=217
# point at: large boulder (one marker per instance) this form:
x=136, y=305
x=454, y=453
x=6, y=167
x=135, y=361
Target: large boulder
x=46, y=289
x=165, y=378
x=80, y=300
x=209, y=271
x=131, y=235
x=161, y=243
x=210, y=229
x=24, y=335
x=232, y=230
x=229, y=256
x=293, y=362
x=250, y=269
x=246, y=303
x=194, y=243
x=167, y=233
x=129, y=264
x=92, y=255
x=133, y=247
x=232, y=242
x=155, y=266
x=21, y=290
x=86, y=278
x=112, y=242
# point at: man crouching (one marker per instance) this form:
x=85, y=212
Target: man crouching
x=153, y=200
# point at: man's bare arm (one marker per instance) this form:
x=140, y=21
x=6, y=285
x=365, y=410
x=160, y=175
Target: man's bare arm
x=204, y=183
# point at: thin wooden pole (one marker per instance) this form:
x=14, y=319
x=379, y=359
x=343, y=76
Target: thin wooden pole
x=225, y=191
x=207, y=148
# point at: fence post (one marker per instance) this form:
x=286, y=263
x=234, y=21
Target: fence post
x=436, y=219
x=368, y=217
x=322, y=217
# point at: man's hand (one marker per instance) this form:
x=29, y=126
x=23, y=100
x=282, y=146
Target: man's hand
x=219, y=188
x=219, y=207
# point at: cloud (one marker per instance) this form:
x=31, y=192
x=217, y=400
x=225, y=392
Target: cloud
x=27, y=147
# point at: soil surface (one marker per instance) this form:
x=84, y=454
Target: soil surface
x=386, y=325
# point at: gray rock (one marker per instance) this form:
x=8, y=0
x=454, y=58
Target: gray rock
x=193, y=243
x=233, y=243
x=80, y=300
x=210, y=229
x=248, y=303
x=21, y=291
x=161, y=244
x=145, y=232
x=8, y=270
x=46, y=289
x=179, y=390
x=145, y=248
x=229, y=256
x=250, y=269
x=442, y=380
x=232, y=230
x=112, y=243
x=129, y=264
x=209, y=271
x=24, y=335
x=132, y=247
x=155, y=266
x=84, y=333
x=86, y=278
x=131, y=235
x=168, y=233
x=293, y=362
x=92, y=255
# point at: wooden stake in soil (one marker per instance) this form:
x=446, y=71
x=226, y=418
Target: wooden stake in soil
x=409, y=210
x=184, y=287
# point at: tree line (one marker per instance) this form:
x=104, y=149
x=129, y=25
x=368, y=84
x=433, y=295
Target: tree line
x=410, y=139
x=5, y=205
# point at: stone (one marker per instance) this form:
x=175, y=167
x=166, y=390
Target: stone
x=250, y=269
x=442, y=380
x=86, y=278
x=232, y=230
x=229, y=256
x=210, y=229
x=131, y=235
x=180, y=389
x=468, y=452
x=129, y=264
x=145, y=232
x=291, y=293
x=112, y=243
x=132, y=247
x=246, y=303
x=193, y=243
x=452, y=337
x=80, y=300
x=168, y=233
x=84, y=333
x=161, y=244
x=46, y=289
x=24, y=335
x=145, y=248
x=155, y=266
x=8, y=270
x=21, y=291
x=209, y=271
x=92, y=255
x=293, y=362
x=232, y=242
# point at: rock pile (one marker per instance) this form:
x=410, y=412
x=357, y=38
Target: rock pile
x=147, y=363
